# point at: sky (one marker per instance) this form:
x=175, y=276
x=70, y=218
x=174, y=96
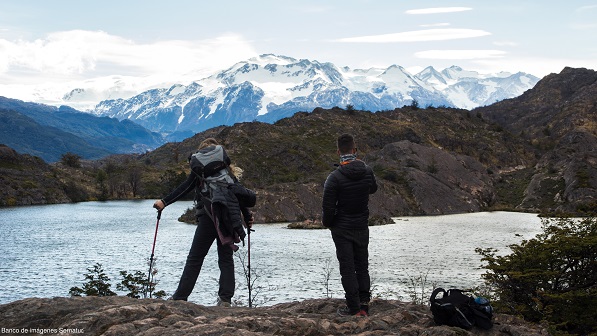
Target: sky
x=49, y=46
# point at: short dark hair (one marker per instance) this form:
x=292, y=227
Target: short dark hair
x=346, y=143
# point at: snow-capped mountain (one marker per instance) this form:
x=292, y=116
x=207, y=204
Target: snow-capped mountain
x=270, y=87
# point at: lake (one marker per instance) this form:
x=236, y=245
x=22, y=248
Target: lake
x=45, y=250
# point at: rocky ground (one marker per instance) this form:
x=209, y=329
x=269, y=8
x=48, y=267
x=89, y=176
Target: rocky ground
x=127, y=316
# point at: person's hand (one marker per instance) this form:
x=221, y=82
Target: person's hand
x=249, y=221
x=159, y=205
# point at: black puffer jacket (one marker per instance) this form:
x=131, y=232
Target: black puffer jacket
x=346, y=196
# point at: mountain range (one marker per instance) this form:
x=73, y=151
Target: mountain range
x=270, y=87
x=49, y=131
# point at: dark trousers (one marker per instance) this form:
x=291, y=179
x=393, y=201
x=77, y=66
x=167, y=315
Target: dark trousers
x=353, y=257
x=205, y=234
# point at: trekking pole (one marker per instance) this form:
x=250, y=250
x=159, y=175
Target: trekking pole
x=249, y=284
x=155, y=236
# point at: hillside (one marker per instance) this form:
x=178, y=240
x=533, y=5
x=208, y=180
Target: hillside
x=428, y=161
x=25, y=135
x=27, y=180
x=559, y=119
x=49, y=132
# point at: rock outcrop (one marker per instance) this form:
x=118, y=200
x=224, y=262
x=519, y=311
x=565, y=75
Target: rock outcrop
x=557, y=117
x=430, y=181
x=26, y=180
x=127, y=316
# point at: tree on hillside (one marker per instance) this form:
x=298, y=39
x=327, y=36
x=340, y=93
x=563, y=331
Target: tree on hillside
x=552, y=277
x=71, y=160
x=101, y=179
x=414, y=105
x=134, y=178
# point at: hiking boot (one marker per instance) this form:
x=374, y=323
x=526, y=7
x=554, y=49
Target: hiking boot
x=365, y=307
x=362, y=313
x=223, y=303
x=345, y=311
x=175, y=299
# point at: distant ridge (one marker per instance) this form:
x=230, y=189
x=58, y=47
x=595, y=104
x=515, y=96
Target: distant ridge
x=269, y=87
x=48, y=132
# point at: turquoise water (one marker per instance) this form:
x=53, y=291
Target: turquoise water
x=45, y=251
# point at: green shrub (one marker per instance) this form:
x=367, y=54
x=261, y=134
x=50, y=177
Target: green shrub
x=136, y=284
x=552, y=277
x=97, y=283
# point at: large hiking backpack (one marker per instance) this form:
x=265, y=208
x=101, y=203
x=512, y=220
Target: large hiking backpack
x=457, y=309
x=209, y=161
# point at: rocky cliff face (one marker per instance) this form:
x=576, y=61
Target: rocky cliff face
x=431, y=181
x=27, y=180
x=558, y=118
x=126, y=316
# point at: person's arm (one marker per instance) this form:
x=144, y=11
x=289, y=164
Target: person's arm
x=185, y=187
x=330, y=198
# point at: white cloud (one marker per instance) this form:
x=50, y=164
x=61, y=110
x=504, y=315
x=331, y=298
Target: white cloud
x=443, y=24
x=81, y=53
x=419, y=36
x=45, y=69
x=437, y=10
x=584, y=18
x=314, y=9
x=506, y=44
x=459, y=54
x=583, y=26
x=584, y=8
x=60, y=53
x=536, y=65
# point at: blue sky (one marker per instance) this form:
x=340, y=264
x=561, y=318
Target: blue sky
x=64, y=41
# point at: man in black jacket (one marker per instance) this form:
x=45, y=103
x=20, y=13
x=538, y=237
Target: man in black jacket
x=346, y=212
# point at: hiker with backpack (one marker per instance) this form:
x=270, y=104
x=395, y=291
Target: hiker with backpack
x=345, y=210
x=222, y=210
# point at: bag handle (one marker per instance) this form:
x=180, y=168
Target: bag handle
x=435, y=292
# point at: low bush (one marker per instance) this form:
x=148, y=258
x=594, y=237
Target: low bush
x=136, y=283
x=552, y=277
